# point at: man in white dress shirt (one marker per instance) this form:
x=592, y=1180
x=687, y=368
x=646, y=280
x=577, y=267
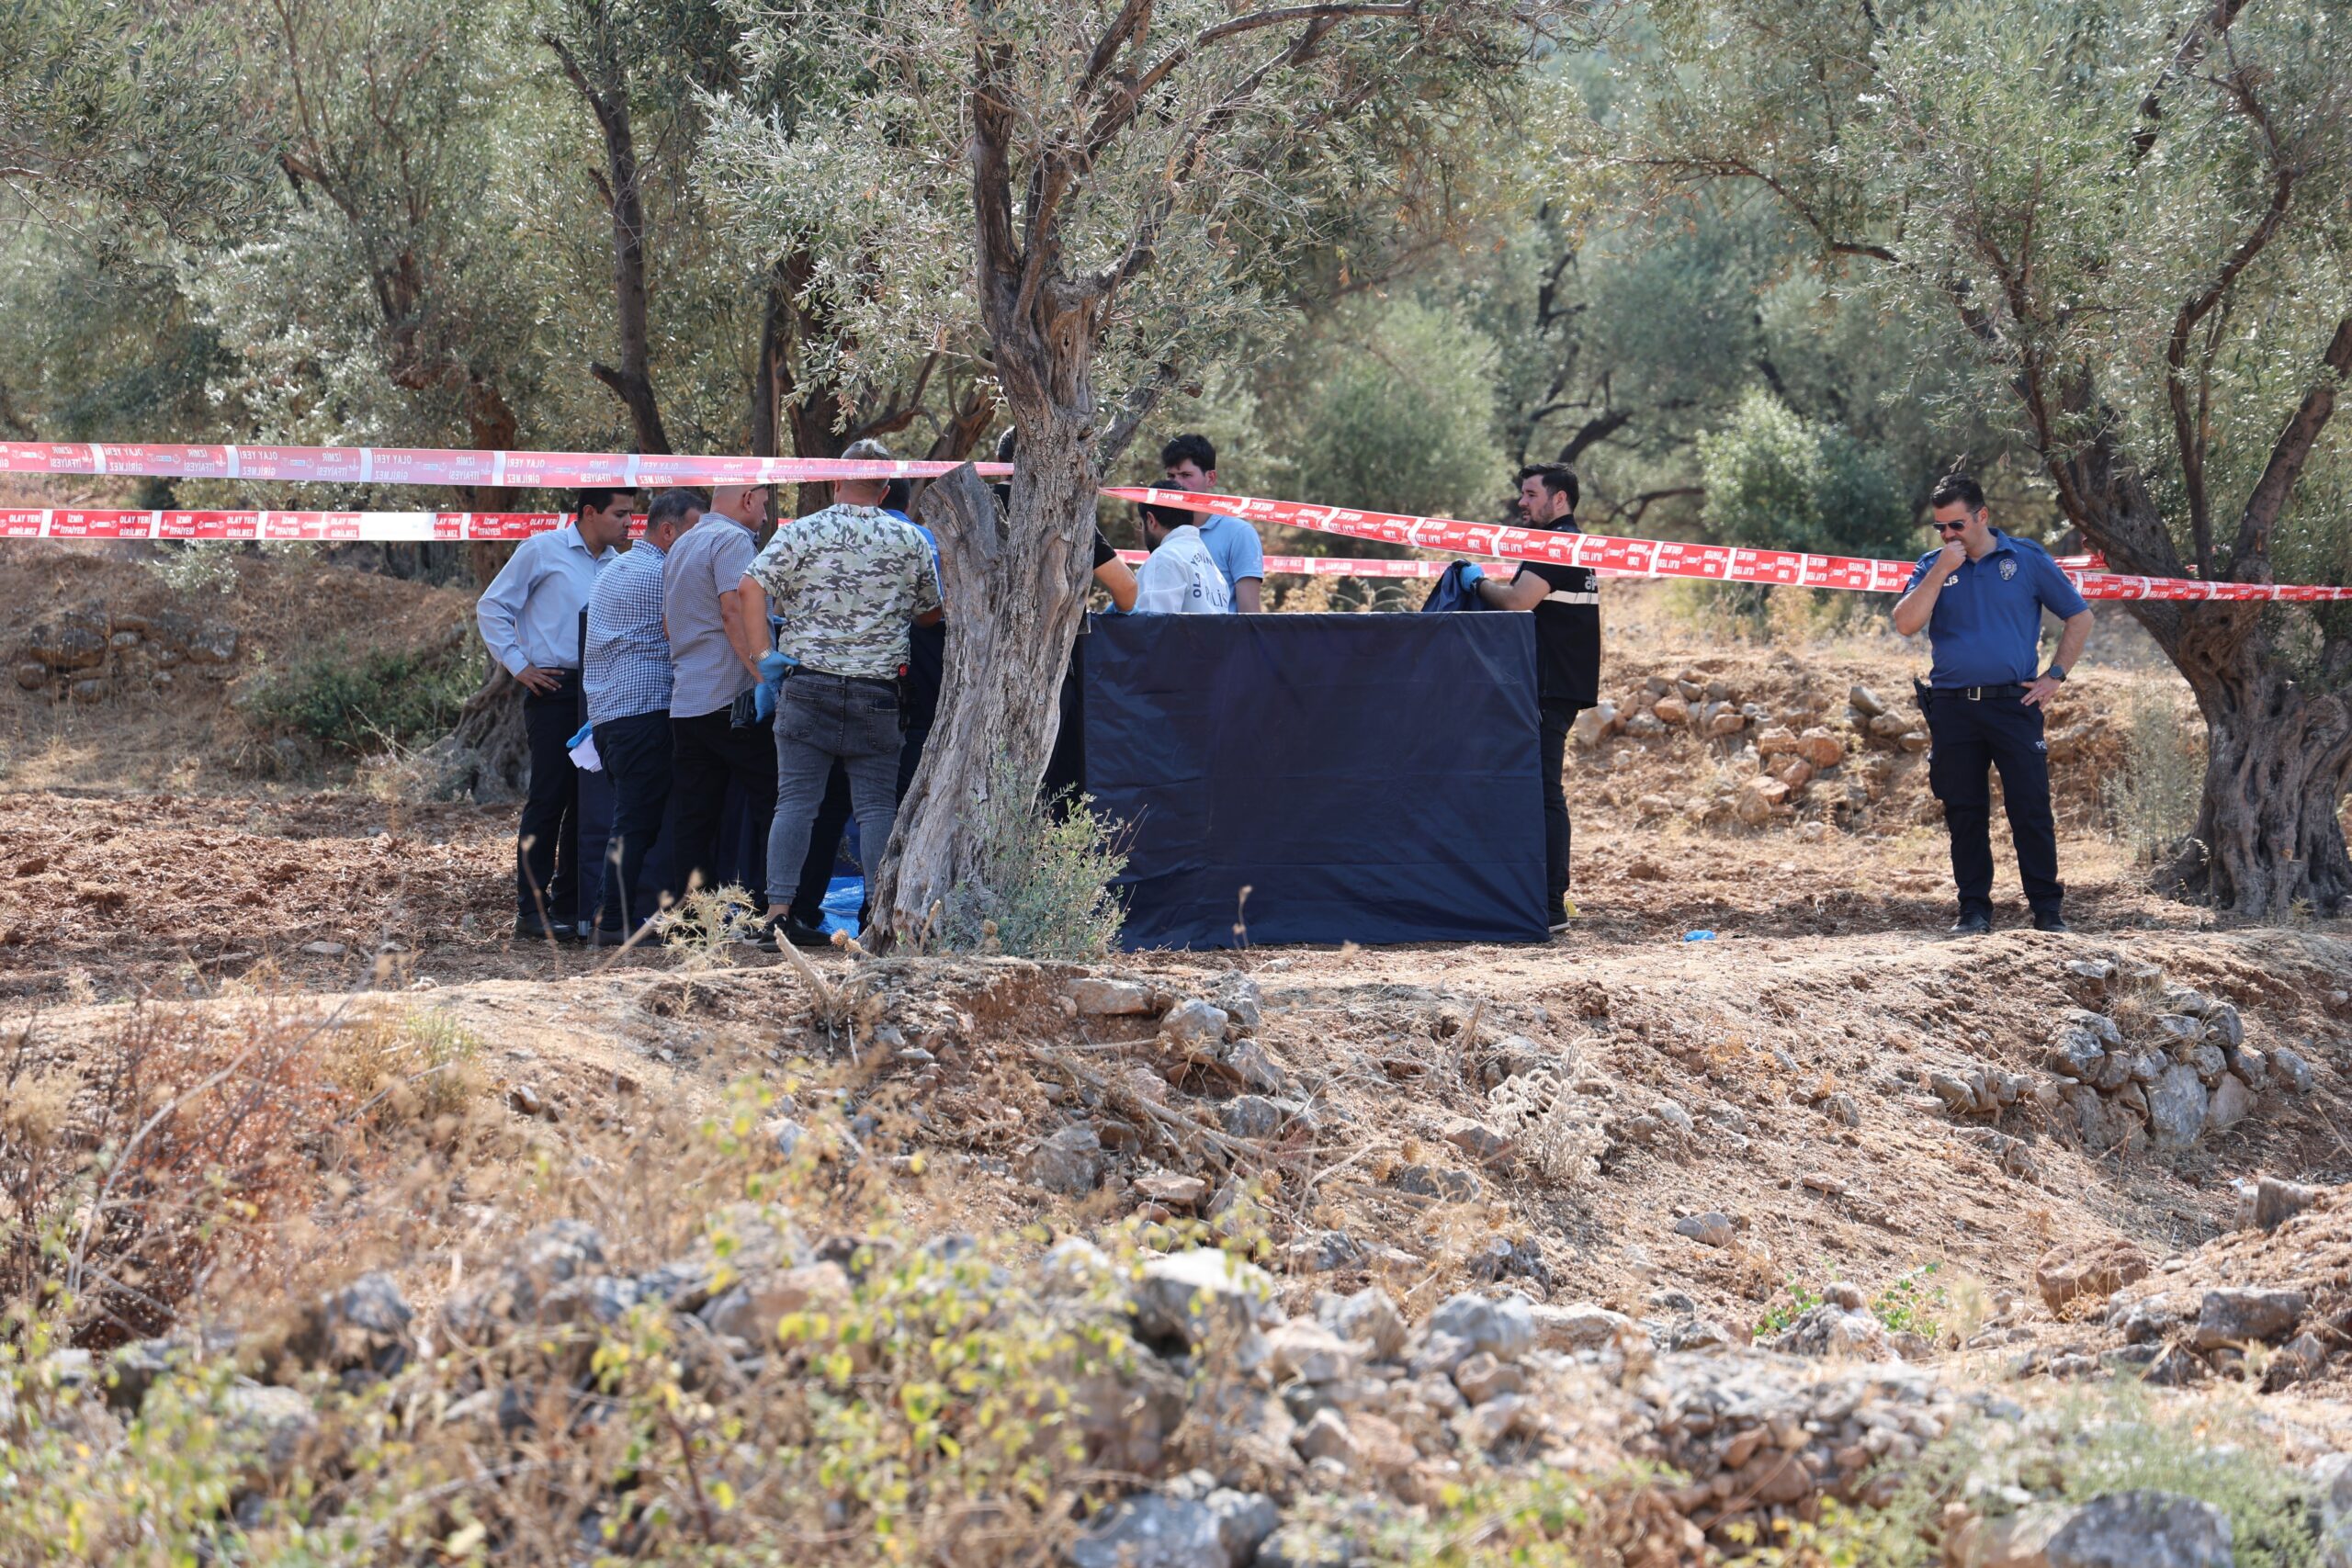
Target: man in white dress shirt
x=529, y=617
x=1181, y=578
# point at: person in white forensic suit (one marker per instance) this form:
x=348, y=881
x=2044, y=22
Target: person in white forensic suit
x=1181, y=578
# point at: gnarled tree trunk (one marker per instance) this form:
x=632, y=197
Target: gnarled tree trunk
x=603, y=84
x=2279, y=757
x=1015, y=600
x=487, y=753
x=2268, y=837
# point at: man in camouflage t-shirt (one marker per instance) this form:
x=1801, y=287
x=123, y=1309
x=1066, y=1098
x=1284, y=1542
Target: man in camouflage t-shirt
x=848, y=582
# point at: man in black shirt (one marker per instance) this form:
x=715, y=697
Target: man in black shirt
x=1566, y=603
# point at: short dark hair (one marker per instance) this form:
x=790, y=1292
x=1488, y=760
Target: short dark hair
x=1957, y=488
x=896, y=494
x=597, y=500
x=1558, y=478
x=675, y=506
x=1168, y=517
x=1199, y=448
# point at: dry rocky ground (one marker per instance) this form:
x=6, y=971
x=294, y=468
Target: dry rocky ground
x=1724, y=1232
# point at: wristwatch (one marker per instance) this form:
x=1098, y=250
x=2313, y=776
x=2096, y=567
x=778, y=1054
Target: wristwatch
x=2055, y=673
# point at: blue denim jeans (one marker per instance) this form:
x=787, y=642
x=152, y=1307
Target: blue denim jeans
x=820, y=720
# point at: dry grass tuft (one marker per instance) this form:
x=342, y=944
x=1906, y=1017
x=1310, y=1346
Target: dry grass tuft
x=708, y=925
x=123, y=1180
x=1558, y=1134
x=405, y=1065
x=2152, y=800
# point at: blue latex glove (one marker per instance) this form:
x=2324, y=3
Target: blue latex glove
x=772, y=665
x=1470, y=574
x=585, y=731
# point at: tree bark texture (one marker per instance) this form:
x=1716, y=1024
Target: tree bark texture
x=1015, y=600
x=767, y=364
x=487, y=754
x=2268, y=836
x=607, y=94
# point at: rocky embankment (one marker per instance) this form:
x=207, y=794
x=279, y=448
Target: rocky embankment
x=90, y=654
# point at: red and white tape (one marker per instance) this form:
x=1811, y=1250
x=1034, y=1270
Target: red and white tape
x=1330, y=566
x=439, y=466
x=386, y=464
x=273, y=527
x=413, y=527
x=418, y=527
x=1657, y=558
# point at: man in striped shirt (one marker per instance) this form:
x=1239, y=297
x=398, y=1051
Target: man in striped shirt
x=628, y=682
x=1566, y=602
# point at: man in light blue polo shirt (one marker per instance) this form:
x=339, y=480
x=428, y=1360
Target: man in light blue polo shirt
x=529, y=617
x=1190, y=462
x=1980, y=599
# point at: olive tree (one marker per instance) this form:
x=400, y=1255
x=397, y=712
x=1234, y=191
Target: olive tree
x=1093, y=194
x=131, y=107
x=2129, y=215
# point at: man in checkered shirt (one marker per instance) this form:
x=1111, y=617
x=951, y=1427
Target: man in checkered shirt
x=628, y=682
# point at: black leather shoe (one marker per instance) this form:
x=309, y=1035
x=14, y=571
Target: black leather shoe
x=2051, y=922
x=527, y=929
x=1975, y=922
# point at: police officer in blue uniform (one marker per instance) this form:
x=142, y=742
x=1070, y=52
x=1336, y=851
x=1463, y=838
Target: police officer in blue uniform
x=1981, y=598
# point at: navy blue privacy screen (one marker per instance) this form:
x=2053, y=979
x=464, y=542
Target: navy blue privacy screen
x=1369, y=778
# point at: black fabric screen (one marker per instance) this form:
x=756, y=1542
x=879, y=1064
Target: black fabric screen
x=1369, y=778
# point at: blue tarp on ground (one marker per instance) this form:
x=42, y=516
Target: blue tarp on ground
x=1367, y=778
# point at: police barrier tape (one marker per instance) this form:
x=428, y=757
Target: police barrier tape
x=398, y=527
x=1655, y=558
x=438, y=465
x=383, y=464
x=412, y=527
x=416, y=527
x=1615, y=557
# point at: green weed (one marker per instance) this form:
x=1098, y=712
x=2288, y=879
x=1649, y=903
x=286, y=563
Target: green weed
x=1914, y=1303
x=1041, y=888
x=2108, y=1440
x=1780, y=1315
x=367, y=700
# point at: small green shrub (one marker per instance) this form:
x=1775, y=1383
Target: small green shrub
x=1913, y=1302
x=1042, y=886
x=2115, y=1439
x=195, y=567
x=2153, y=799
x=1777, y=1319
x=1775, y=477
x=361, y=701
x=83, y=1488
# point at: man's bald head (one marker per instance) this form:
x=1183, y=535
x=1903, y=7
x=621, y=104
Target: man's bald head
x=748, y=504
